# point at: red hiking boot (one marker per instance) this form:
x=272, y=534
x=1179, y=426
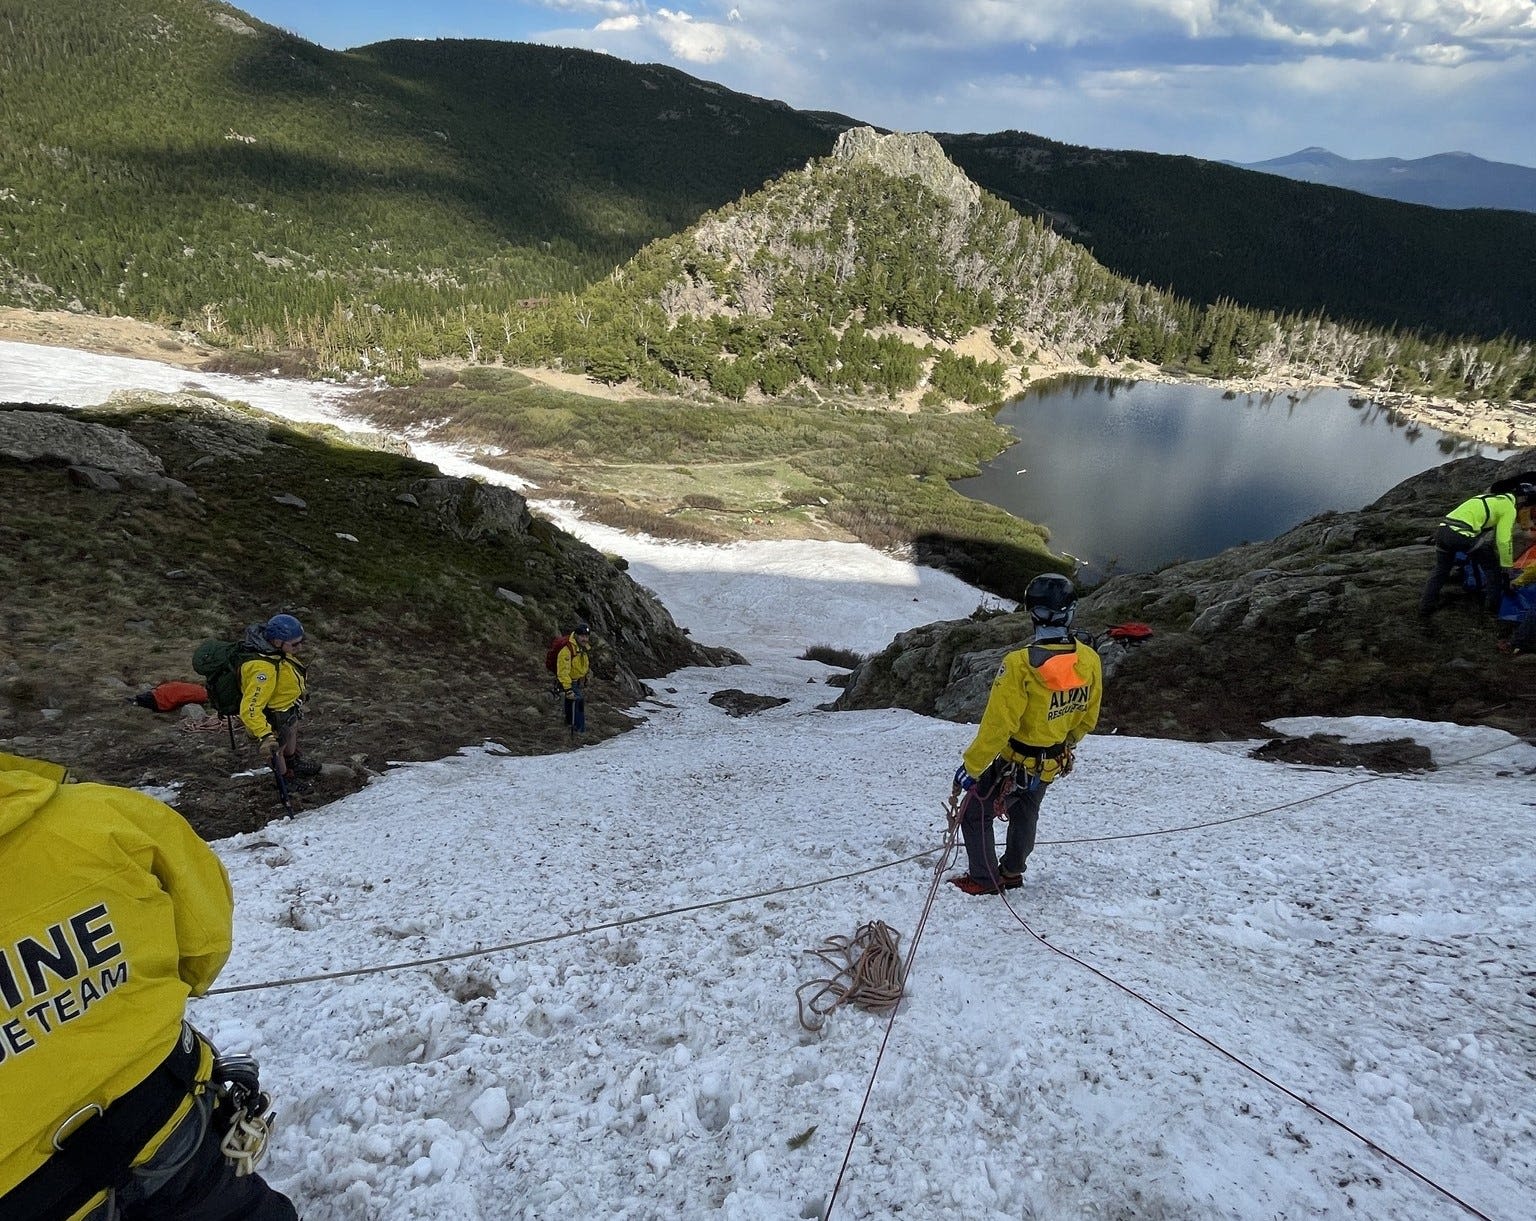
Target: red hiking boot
x=972, y=886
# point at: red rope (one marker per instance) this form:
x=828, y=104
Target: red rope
x=1241, y=1063
x=890, y=1022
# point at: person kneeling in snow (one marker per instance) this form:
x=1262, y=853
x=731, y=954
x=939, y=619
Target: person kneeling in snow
x=1044, y=701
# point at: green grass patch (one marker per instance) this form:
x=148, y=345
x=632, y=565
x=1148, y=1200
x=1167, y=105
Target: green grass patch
x=679, y=469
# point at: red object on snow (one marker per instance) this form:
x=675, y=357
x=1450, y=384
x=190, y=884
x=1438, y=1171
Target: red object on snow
x=170, y=696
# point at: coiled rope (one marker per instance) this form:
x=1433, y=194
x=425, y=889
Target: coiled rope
x=952, y=824
x=624, y=922
x=866, y=972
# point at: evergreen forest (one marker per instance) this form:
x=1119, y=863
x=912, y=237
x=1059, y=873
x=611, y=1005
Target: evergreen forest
x=182, y=162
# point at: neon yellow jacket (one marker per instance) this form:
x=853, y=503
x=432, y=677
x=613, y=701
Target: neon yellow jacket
x=1043, y=695
x=266, y=682
x=1496, y=513
x=112, y=913
x=573, y=664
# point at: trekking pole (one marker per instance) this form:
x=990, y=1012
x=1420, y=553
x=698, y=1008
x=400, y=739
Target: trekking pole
x=282, y=785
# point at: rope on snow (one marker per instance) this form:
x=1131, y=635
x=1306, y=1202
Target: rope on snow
x=866, y=972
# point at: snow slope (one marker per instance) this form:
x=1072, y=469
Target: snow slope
x=1362, y=942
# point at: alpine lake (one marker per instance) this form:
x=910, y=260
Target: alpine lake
x=1129, y=476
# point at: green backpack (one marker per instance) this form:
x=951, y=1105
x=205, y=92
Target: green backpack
x=219, y=662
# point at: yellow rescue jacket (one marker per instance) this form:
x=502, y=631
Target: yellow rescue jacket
x=267, y=682
x=1482, y=514
x=1045, y=696
x=573, y=664
x=113, y=912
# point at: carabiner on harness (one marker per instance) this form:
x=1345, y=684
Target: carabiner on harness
x=251, y=1114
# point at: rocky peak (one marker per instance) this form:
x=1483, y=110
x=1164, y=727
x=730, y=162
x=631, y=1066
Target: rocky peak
x=909, y=155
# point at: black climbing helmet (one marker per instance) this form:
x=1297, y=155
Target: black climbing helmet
x=1525, y=492
x=1051, y=600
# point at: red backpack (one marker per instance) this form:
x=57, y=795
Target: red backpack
x=552, y=657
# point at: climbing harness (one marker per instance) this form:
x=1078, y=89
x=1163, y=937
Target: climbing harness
x=1042, y=763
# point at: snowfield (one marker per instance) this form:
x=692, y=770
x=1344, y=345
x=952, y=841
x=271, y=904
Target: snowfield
x=1275, y=991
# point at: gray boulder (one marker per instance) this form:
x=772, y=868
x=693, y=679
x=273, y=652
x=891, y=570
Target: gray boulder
x=51, y=437
x=1320, y=621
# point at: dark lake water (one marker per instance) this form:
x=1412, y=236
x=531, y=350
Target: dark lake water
x=1129, y=476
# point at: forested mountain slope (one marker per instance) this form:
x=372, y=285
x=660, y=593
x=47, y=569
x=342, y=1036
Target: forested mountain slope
x=180, y=161
x=1209, y=231
x=872, y=270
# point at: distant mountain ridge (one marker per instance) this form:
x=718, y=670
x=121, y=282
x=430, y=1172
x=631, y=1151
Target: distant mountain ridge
x=1443, y=180
x=1210, y=231
x=884, y=268
x=182, y=162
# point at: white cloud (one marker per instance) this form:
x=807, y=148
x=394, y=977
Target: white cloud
x=1251, y=112
x=659, y=34
x=1405, y=28
x=1243, y=79
x=613, y=8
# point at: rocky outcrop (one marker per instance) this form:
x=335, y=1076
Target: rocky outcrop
x=472, y=510
x=95, y=457
x=1320, y=621
x=909, y=155
x=50, y=437
x=637, y=632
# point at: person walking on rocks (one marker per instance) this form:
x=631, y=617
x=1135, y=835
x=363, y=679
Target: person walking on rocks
x=272, y=686
x=572, y=666
x=1044, y=701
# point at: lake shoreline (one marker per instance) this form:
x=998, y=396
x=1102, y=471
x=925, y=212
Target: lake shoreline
x=1132, y=474
x=1507, y=425
x=1503, y=424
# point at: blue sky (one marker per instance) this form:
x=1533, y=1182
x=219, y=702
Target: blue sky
x=1237, y=79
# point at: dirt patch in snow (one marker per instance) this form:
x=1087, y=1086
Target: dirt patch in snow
x=1330, y=750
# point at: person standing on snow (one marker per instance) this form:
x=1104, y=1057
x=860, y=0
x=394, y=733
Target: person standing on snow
x=572, y=665
x=1044, y=701
x=272, y=686
x=114, y=911
x=1482, y=528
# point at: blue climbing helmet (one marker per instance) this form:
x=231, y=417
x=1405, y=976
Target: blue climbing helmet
x=283, y=628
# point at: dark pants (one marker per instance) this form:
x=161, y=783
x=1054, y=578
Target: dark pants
x=203, y=1187
x=1483, y=556
x=576, y=711
x=1021, y=803
x=1524, y=638
x=285, y=727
